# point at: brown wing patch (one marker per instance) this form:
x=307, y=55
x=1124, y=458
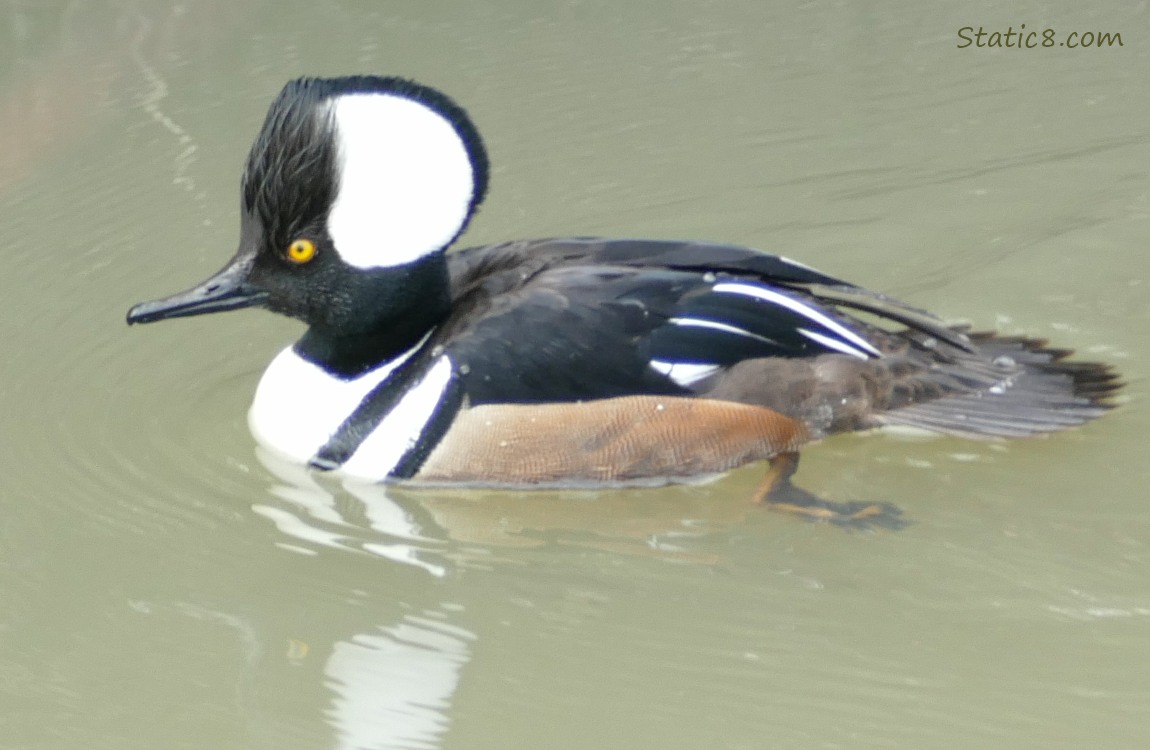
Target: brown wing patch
x=609, y=440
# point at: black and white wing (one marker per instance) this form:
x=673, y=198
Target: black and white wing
x=587, y=319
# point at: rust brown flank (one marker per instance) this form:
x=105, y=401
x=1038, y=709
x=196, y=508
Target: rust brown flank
x=609, y=440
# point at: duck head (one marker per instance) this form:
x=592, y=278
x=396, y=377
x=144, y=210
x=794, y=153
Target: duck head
x=352, y=192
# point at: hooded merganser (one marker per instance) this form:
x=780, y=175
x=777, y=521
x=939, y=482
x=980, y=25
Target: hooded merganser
x=567, y=361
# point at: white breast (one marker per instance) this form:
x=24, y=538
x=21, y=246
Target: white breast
x=399, y=431
x=298, y=406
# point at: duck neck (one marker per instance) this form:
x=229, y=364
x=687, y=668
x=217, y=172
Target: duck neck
x=349, y=354
x=348, y=357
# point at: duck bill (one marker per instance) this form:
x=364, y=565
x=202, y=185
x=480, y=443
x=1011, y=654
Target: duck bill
x=227, y=290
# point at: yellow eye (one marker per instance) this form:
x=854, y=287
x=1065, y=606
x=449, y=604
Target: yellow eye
x=301, y=251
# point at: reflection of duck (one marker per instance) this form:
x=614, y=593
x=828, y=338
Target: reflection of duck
x=645, y=522
x=436, y=530
x=393, y=687
x=567, y=361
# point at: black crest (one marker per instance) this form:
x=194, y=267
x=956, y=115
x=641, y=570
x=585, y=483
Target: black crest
x=290, y=174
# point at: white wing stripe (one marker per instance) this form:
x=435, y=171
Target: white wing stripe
x=684, y=373
x=832, y=343
x=790, y=303
x=698, y=323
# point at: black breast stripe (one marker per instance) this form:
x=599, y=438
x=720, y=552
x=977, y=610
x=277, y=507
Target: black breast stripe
x=433, y=431
x=375, y=407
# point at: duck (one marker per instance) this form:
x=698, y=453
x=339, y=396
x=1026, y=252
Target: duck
x=569, y=362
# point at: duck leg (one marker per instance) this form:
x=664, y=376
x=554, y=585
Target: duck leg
x=778, y=493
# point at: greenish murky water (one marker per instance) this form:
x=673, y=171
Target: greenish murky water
x=162, y=586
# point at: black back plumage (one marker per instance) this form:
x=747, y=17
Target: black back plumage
x=578, y=319
x=575, y=335
x=581, y=319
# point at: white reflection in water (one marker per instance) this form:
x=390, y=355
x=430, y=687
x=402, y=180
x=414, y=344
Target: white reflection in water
x=316, y=519
x=393, y=687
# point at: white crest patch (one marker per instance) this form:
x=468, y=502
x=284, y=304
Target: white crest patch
x=405, y=181
x=398, y=432
x=298, y=406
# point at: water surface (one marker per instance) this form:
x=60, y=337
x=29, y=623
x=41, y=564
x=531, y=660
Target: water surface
x=164, y=586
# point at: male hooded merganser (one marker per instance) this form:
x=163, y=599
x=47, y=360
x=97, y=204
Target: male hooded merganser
x=567, y=361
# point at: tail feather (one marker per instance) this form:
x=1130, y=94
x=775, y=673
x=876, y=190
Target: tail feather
x=1034, y=390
